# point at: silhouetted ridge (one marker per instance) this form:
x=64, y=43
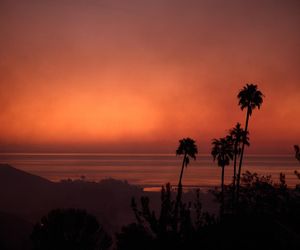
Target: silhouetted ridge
x=19, y=177
x=30, y=197
x=23, y=194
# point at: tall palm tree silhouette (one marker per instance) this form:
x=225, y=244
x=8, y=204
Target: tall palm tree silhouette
x=222, y=151
x=188, y=148
x=250, y=98
x=236, y=137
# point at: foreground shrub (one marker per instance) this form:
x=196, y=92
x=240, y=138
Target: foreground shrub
x=64, y=229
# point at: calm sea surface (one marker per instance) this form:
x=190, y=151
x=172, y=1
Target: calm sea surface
x=148, y=170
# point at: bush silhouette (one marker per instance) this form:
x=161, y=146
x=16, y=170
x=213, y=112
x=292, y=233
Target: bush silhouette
x=64, y=229
x=268, y=218
x=168, y=230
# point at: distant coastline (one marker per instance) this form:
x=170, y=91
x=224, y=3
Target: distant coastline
x=149, y=171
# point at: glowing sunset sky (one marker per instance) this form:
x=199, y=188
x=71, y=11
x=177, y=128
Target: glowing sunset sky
x=136, y=76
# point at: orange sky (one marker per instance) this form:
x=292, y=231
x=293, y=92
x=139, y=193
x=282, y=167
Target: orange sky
x=136, y=76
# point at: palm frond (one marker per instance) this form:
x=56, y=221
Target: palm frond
x=250, y=97
x=187, y=146
x=222, y=151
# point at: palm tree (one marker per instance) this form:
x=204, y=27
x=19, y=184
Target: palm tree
x=222, y=151
x=250, y=98
x=236, y=137
x=188, y=149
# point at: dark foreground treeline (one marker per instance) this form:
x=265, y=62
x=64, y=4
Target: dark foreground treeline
x=267, y=217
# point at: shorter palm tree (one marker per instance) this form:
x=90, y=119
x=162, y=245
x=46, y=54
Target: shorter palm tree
x=236, y=138
x=188, y=148
x=222, y=151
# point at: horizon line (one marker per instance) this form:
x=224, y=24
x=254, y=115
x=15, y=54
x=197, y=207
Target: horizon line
x=128, y=154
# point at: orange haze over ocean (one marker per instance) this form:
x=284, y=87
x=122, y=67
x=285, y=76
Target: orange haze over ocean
x=136, y=76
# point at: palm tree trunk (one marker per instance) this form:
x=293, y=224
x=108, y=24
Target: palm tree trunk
x=241, y=157
x=179, y=193
x=222, y=191
x=234, y=172
x=182, y=167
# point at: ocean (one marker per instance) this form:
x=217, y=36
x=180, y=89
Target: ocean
x=150, y=171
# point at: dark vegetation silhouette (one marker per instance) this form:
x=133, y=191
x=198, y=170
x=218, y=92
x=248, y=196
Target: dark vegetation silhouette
x=268, y=214
x=69, y=229
x=250, y=98
x=236, y=138
x=222, y=151
x=188, y=148
x=157, y=231
x=297, y=156
x=268, y=218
